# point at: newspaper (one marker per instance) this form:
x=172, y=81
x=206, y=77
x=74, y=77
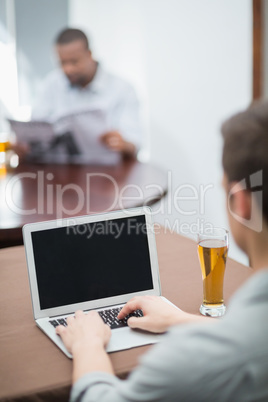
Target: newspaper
x=74, y=138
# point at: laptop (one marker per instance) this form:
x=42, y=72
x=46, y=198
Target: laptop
x=92, y=262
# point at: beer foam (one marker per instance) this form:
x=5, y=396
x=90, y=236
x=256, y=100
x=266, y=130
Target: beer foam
x=212, y=243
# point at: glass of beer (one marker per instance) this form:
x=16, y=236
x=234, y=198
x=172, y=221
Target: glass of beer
x=4, y=146
x=212, y=251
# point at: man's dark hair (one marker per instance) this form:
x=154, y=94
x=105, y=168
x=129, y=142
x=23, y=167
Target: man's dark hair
x=245, y=149
x=69, y=35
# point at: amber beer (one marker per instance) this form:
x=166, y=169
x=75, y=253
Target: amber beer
x=4, y=146
x=212, y=257
x=212, y=252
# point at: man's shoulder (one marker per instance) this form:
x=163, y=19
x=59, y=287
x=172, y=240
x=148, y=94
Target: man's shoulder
x=54, y=78
x=113, y=79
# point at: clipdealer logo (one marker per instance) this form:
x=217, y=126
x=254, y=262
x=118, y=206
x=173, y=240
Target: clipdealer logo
x=70, y=199
x=254, y=185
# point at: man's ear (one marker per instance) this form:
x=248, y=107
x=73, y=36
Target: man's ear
x=240, y=201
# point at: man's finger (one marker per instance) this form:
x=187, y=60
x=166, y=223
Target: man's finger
x=70, y=319
x=132, y=305
x=60, y=329
x=79, y=313
x=138, y=322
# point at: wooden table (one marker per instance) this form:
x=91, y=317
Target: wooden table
x=41, y=192
x=32, y=368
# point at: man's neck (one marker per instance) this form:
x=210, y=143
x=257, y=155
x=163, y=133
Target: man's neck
x=91, y=74
x=258, y=249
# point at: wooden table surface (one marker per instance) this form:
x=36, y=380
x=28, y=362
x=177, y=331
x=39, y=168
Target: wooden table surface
x=32, y=368
x=38, y=192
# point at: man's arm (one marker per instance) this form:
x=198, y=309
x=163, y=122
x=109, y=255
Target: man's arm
x=86, y=335
x=126, y=131
x=85, y=338
x=114, y=141
x=44, y=107
x=158, y=315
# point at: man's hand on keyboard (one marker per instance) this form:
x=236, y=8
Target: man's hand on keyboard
x=84, y=329
x=85, y=337
x=158, y=315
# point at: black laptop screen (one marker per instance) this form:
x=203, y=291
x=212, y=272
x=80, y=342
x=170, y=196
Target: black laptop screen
x=91, y=261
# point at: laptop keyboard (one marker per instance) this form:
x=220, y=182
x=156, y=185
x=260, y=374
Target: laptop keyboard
x=109, y=317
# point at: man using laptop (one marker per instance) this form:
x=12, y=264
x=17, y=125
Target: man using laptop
x=200, y=359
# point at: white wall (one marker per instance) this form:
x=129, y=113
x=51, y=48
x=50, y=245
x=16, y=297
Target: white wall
x=191, y=63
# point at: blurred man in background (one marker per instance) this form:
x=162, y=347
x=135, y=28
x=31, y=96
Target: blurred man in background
x=81, y=85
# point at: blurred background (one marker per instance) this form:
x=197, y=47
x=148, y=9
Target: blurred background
x=190, y=61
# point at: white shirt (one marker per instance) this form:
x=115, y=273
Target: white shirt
x=111, y=95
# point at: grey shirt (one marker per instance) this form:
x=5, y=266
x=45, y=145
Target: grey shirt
x=226, y=360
